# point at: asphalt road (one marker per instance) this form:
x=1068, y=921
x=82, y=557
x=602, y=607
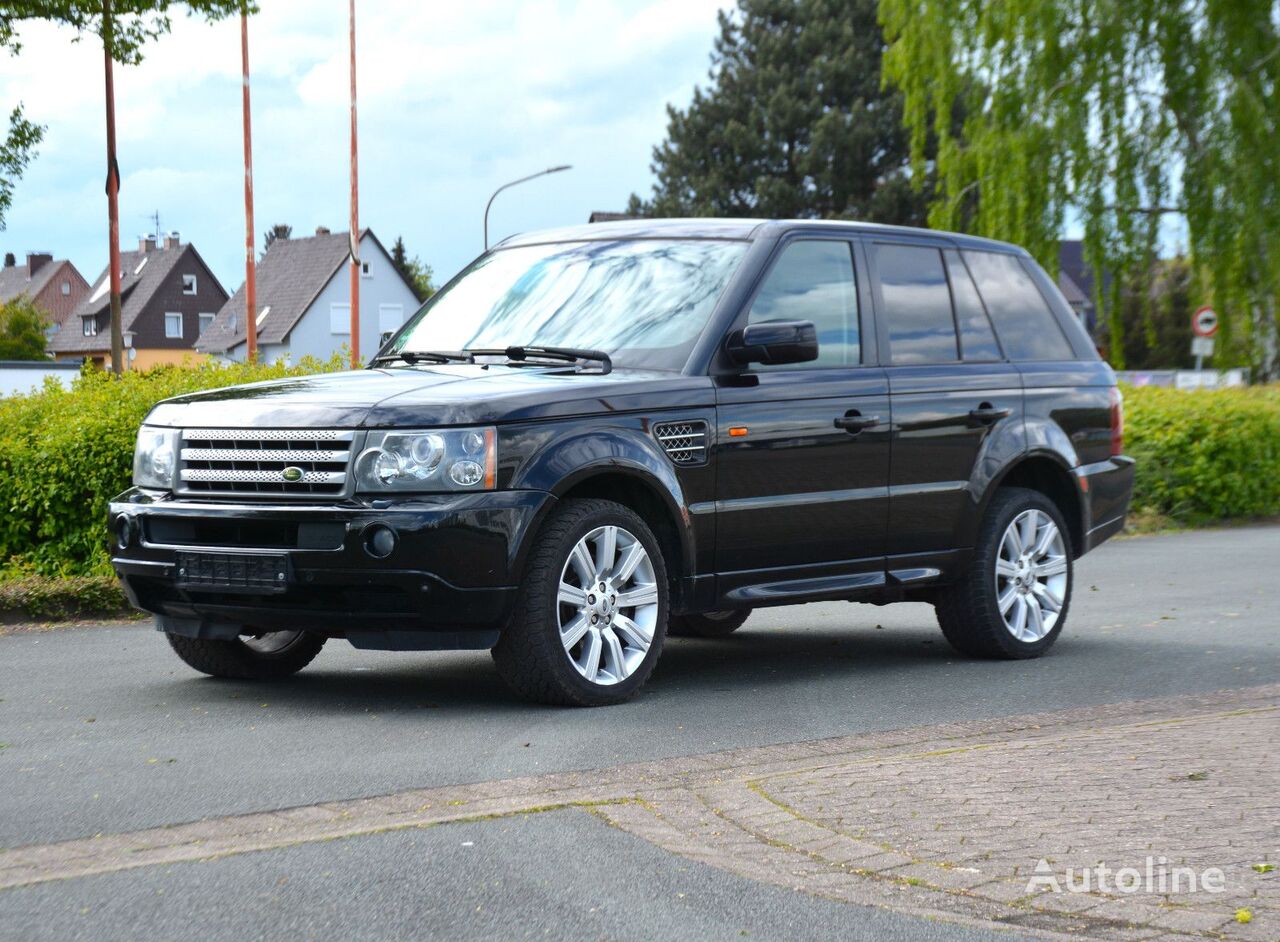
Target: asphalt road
x=106, y=730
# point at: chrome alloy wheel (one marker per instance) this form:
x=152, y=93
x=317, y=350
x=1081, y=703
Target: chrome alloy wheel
x=607, y=605
x=1031, y=575
x=271, y=642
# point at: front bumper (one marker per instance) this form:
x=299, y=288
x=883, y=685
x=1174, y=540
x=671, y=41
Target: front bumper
x=1105, y=488
x=453, y=572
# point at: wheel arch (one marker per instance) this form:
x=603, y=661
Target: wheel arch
x=1047, y=473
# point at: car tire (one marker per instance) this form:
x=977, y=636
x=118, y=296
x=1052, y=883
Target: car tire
x=708, y=624
x=268, y=656
x=1012, y=600
x=568, y=644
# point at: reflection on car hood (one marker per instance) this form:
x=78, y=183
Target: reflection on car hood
x=454, y=394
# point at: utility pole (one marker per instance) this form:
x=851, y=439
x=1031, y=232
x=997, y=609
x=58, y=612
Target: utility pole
x=250, y=271
x=355, y=206
x=113, y=197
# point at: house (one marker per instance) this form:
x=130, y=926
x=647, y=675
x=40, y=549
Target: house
x=304, y=300
x=1076, y=281
x=167, y=296
x=53, y=285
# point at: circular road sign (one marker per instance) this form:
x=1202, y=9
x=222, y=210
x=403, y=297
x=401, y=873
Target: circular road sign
x=1204, y=322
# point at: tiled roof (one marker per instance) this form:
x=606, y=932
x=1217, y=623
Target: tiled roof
x=289, y=277
x=14, y=281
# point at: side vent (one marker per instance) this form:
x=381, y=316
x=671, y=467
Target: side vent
x=684, y=442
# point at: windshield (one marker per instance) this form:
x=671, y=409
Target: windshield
x=644, y=302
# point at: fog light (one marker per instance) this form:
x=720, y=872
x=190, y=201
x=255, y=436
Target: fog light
x=124, y=532
x=379, y=541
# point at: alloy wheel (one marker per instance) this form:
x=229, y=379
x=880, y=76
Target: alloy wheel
x=1031, y=575
x=607, y=605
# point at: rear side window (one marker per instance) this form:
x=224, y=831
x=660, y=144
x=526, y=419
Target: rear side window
x=977, y=342
x=1026, y=327
x=917, y=304
x=813, y=281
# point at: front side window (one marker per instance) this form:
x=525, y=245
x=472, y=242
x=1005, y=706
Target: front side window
x=642, y=301
x=173, y=326
x=1026, y=327
x=814, y=281
x=917, y=304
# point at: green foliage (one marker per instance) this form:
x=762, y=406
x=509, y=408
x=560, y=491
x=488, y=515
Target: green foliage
x=1156, y=310
x=16, y=151
x=65, y=453
x=1122, y=113
x=279, y=231
x=1205, y=456
x=417, y=272
x=21, y=330
x=41, y=597
x=795, y=122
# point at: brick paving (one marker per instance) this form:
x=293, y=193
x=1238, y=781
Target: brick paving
x=947, y=820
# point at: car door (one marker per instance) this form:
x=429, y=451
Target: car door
x=803, y=449
x=951, y=388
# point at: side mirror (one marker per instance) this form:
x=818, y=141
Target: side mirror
x=774, y=342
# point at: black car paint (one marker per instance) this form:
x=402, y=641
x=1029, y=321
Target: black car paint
x=798, y=509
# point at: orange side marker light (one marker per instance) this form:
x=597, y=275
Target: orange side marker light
x=738, y=431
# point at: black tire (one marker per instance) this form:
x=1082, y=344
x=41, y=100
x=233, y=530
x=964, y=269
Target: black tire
x=529, y=654
x=708, y=624
x=969, y=610
x=238, y=661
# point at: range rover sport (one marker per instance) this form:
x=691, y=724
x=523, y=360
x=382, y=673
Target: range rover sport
x=595, y=437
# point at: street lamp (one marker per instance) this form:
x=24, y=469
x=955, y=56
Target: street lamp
x=540, y=173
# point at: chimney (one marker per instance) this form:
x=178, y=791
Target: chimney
x=146, y=244
x=322, y=230
x=36, y=261
x=172, y=240
x=9, y=260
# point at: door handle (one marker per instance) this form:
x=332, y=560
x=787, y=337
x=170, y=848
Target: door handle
x=985, y=414
x=854, y=422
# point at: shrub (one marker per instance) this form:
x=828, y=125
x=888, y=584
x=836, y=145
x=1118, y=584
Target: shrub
x=1204, y=456
x=64, y=453
x=40, y=597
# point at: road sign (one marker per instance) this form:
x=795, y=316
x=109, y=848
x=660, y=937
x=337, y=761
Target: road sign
x=1204, y=322
x=1202, y=346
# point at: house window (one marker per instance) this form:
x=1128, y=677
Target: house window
x=173, y=326
x=188, y=284
x=205, y=321
x=66, y=288
x=89, y=325
x=390, y=317
x=364, y=270
x=340, y=319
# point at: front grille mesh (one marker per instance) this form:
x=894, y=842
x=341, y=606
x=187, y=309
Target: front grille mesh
x=254, y=461
x=684, y=442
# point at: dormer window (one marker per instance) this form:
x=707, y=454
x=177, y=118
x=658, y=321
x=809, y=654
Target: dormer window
x=89, y=325
x=188, y=284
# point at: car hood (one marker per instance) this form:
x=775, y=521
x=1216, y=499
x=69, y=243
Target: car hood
x=456, y=394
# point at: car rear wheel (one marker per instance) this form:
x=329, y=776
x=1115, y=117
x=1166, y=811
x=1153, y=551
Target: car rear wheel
x=589, y=623
x=1013, y=600
x=266, y=656
x=708, y=624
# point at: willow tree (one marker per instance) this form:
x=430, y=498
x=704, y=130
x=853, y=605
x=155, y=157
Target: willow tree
x=1123, y=116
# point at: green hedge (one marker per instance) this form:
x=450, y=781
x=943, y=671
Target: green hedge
x=65, y=452
x=1205, y=456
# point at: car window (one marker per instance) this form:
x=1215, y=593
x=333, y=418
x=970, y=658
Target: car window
x=917, y=304
x=977, y=341
x=1026, y=327
x=813, y=280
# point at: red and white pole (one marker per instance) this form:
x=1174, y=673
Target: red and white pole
x=250, y=271
x=355, y=207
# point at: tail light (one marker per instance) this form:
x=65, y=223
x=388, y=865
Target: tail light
x=1117, y=422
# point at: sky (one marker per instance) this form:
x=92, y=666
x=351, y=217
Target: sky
x=454, y=100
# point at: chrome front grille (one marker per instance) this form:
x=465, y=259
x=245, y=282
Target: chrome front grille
x=684, y=442
x=242, y=462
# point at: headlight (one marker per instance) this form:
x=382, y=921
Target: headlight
x=156, y=457
x=436, y=460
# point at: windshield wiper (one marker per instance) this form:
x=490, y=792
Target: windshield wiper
x=426, y=356
x=531, y=354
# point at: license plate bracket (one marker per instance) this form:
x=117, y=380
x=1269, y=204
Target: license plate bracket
x=233, y=572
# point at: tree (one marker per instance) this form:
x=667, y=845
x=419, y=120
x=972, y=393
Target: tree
x=279, y=231
x=414, y=270
x=16, y=151
x=1155, y=309
x=123, y=27
x=1122, y=115
x=795, y=122
x=21, y=330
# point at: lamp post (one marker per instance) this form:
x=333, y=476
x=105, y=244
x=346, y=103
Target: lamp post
x=532, y=176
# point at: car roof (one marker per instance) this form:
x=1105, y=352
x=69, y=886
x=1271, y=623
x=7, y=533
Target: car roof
x=744, y=229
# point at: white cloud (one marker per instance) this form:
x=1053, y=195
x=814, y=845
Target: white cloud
x=454, y=99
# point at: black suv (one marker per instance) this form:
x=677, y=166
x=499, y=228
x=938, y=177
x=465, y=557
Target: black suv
x=593, y=437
